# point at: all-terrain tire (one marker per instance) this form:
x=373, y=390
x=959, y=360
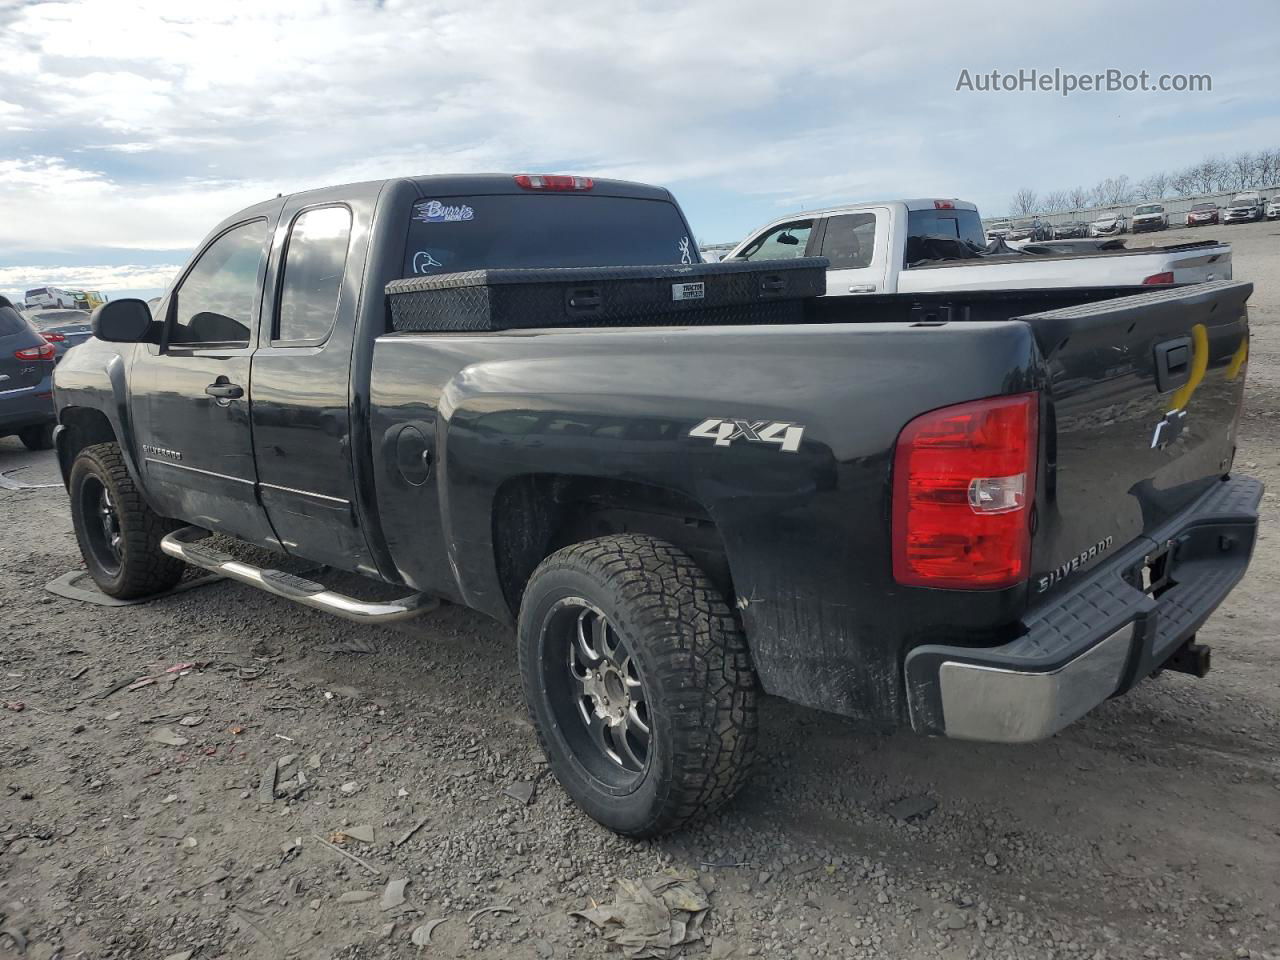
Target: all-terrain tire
x=692, y=659
x=139, y=568
x=38, y=437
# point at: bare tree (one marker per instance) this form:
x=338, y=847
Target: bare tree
x=1244, y=171
x=1112, y=191
x=1056, y=201
x=1153, y=187
x=1208, y=174
x=1023, y=202
x=1184, y=182
x=1266, y=164
x=1240, y=171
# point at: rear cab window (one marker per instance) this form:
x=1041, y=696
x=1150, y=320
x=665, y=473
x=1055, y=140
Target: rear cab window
x=964, y=224
x=455, y=234
x=314, y=265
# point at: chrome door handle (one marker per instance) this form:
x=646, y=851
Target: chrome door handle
x=225, y=391
x=863, y=288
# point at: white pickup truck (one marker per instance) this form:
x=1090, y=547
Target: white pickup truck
x=881, y=248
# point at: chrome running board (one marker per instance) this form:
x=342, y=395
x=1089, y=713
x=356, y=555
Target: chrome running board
x=182, y=544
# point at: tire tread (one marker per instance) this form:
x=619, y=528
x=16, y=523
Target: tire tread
x=146, y=569
x=702, y=663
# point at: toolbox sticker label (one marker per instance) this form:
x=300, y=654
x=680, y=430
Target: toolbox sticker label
x=688, y=291
x=433, y=211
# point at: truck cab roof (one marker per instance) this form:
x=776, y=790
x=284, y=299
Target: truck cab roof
x=487, y=184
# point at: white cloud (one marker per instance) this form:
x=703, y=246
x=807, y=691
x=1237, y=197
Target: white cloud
x=50, y=205
x=756, y=103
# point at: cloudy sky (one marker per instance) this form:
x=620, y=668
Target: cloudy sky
x=128, y=129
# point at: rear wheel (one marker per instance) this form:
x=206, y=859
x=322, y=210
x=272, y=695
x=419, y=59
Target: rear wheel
x=638, y=682
x=39, y=437
x=119, y=535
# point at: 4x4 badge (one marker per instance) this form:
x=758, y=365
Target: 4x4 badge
x=786, y=435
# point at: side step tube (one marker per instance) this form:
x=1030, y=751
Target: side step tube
x=182, y=544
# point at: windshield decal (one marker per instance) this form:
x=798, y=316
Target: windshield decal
x=685, y=248
x=433, y=211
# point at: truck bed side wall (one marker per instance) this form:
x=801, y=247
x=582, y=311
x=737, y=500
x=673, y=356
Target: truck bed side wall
x=805, y=532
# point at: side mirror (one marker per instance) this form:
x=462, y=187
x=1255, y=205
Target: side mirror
x=123, y=321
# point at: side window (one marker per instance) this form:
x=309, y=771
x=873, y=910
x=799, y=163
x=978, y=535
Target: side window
x=781, y=243
x=850, y=240
x=214, y=304
x=314, y=262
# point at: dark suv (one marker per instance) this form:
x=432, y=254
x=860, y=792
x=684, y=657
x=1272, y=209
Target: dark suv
x=26, y=380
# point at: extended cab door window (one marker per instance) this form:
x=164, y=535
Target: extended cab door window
x=214, y=303
x=314, y=262
x=856, y=244
x=303, y=376
x=784, y=242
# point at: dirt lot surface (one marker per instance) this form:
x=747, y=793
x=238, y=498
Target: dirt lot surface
x=142, y=822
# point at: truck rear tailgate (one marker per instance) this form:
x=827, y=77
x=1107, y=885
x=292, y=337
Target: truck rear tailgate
x=1143, y=400
x=1200, y=266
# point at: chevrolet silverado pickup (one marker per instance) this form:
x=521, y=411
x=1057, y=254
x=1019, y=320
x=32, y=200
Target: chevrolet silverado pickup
x=934, y=246
x=684, y=484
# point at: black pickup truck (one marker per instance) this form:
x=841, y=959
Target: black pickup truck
x=978, y=514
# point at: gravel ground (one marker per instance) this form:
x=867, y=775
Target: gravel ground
x=142, y=822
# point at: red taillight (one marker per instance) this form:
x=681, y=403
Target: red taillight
x=54, y=337
x=1158, y=278
x=943, y=205
x=553, y=181
x=963, y=485
x=42, y=352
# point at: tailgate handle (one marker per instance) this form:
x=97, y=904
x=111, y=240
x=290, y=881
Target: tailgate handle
x=772, y=285
x=1173, y=364
x=582, y=301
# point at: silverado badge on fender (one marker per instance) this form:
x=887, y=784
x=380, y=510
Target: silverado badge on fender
x=724, y=432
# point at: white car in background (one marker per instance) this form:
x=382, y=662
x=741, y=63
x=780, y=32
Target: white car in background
x=1273, y=208
x=50, y=298
x=1108, y=225
x=1150, y=216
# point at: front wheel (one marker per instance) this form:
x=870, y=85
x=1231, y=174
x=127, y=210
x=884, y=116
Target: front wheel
x=638, y=681
x=119, y=535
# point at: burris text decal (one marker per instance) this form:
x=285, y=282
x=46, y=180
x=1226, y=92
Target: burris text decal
x=433, y=211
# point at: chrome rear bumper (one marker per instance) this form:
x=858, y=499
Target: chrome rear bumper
x=1011, y=706
x=1097, y=639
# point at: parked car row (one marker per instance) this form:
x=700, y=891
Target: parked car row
x=1248, y=207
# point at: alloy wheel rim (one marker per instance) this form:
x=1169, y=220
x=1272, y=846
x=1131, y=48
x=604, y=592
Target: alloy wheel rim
x=102, y=525
x=604, y=690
